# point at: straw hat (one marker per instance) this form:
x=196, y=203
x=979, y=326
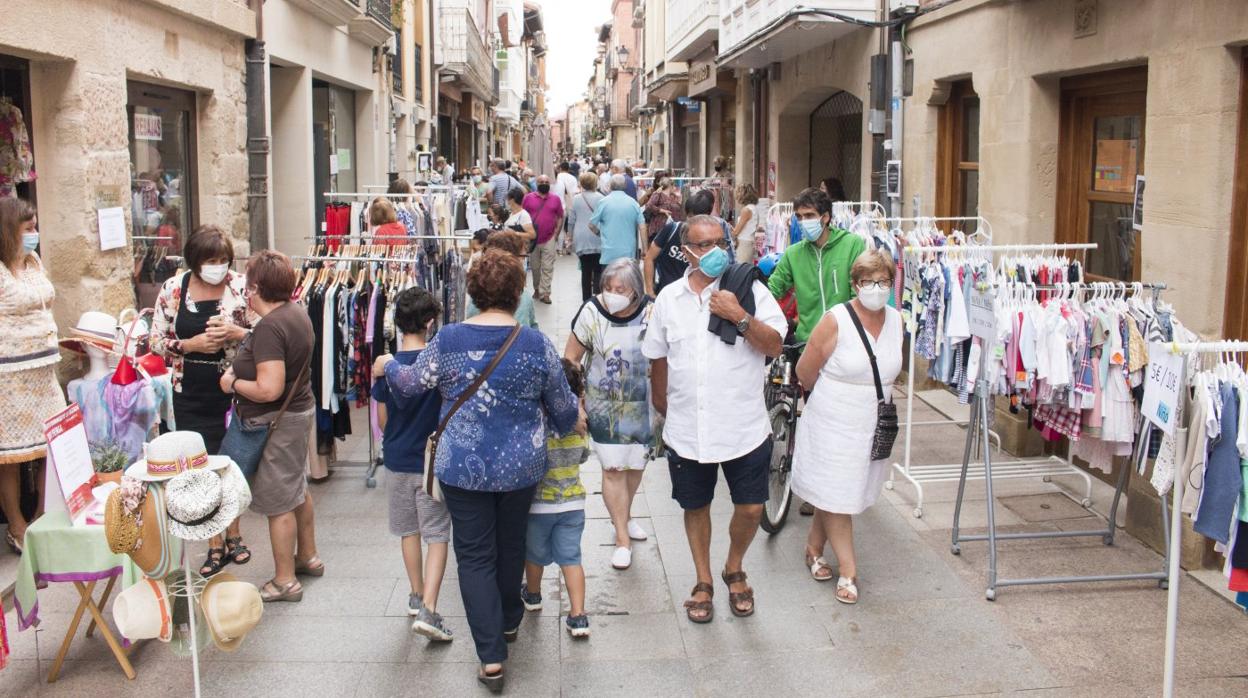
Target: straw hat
x=171, y=453
x=121, y=527
x=159, y=552
x=201, y=504
x=143, y=611
x=94, y=329
x=231, y=609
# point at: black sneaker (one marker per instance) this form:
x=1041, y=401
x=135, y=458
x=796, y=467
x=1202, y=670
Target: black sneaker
x=578, y=626
x=532, y=600
x=511, y=635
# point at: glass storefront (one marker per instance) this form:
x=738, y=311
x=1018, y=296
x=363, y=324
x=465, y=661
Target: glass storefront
x=333, y=137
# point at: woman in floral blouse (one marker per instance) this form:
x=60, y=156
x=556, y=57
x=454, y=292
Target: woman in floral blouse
x=201, y=316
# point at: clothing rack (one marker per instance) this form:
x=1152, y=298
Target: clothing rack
x=982, y=224
x=977, y=436
x=1175, y=530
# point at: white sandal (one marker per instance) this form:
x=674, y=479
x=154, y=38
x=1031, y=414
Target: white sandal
x=847, y=584
x=817, y=565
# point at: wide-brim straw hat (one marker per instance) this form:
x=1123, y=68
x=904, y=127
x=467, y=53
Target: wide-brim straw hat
x=160, y=552
x=173, y=453
x=121, y=528
x=231, y=609
x=201, y=504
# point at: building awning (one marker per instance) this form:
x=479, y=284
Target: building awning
x=598, y=144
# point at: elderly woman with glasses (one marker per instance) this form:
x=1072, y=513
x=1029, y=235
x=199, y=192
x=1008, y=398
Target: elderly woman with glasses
x=832, y=466
x=606, y=338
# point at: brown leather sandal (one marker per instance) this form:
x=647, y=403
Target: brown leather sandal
x=738, y=597
x=707, y=607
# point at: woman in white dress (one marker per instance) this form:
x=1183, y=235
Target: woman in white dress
x=831, y=462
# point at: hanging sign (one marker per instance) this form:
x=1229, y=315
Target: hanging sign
x=70, y=456
x=980, y=312
x=424, y=161
x=148, y=127
x=1162, y=379
x=1137, y=213
x=892, y=177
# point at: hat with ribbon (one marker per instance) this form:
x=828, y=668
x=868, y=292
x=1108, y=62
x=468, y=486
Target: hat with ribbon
x=231, y=609
x=201, y=504
x=94, y=329
x=144, y=611
x=173, y=453
x=157, y=553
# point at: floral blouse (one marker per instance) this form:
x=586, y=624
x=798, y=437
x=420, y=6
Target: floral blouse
x=165, y=340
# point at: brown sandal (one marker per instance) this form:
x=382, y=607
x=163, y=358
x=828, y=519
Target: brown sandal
x=737, y=597
x=281, y=592
x=707, y=607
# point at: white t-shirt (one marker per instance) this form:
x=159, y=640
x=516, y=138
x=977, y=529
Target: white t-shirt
x=518, y=219
x=565, y=187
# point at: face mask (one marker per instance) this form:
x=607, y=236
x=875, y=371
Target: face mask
x=713, y=263
x=476, y=179
x=532, y=183
x=213, y=274
x=30, y=241
x=811, y=229
x=615, y=302
x=873, y=298
x=543, y=188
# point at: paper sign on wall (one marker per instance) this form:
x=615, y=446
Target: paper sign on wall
x=344, y=159
x=112, y=227
x=1162, y=380
x=70, y=457
x=148, y=127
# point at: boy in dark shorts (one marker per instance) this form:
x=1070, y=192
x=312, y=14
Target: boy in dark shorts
x=408, y=423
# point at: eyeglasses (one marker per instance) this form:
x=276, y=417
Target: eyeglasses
x=881, y=285
x=705, y=246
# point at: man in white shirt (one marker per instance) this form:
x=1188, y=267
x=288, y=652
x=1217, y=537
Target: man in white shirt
x=566, y=187
x=711, y=394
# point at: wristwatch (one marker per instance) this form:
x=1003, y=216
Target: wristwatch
x=743, y=325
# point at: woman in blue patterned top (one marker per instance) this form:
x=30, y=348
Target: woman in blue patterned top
x=493, y=452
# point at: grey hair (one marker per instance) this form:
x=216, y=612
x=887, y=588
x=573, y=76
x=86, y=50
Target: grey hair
x=626, y=272
x=618, y=182
x=619, y=164
x=702, y=219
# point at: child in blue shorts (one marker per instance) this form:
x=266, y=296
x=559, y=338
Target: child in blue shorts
x=557, y=519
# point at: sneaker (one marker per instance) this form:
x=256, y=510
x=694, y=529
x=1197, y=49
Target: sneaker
x=622, y=558
x=431, y=626
x=636, y=532
x=532, y=600
x=511, y=635
x=578, y=626
x=415, y=604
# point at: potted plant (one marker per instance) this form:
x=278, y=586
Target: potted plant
x=110, y=461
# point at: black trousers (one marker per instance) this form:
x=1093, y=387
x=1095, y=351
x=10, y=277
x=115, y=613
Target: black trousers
x=489, y=530
x=591, y=275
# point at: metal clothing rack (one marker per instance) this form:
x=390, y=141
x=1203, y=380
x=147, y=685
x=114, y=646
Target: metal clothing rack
x=977, y=436
x=1175, y=530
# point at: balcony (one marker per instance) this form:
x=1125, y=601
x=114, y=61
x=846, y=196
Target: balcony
x=692, y=26
x=464, y=55
x=754, y=34
x=335, y=13
x=528, y=106
x=635, y=101
x=372, y=23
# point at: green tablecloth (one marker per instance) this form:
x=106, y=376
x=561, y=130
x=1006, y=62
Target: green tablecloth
x=57, y=551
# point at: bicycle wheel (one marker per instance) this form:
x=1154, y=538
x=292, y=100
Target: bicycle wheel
x=779, y=496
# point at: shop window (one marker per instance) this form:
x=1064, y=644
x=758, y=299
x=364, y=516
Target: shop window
x=957, y=176
x=1101, y=151
x=1235, y=321
x=163, y=184
x=17, y=178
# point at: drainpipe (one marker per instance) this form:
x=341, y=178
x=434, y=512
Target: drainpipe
x=258, y=231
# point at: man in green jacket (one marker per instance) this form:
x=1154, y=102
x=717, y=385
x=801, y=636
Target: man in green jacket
x=817, y=268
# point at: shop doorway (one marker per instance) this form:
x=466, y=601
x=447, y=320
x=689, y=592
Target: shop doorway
x=1235, y=316
x=836, y=143
x=1100, y=153
x=333, y=142
x=19, y=180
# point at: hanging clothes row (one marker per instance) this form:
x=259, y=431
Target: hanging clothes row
x=429, y=211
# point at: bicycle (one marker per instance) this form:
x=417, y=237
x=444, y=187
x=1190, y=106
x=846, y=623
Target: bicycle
x=783, y=396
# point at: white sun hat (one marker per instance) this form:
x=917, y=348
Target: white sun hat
x=172, y=453
x=144, y=611
x=201, y=504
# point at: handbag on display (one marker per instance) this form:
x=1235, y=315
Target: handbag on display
x=432, y=487
x=886, y=426
x=245, y=445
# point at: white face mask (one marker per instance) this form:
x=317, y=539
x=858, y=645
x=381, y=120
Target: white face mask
x=213, y=274
x=614, y=302
x=873, y=298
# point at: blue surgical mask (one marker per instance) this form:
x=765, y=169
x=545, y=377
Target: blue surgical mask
x=30, y=241
x=713, y=263
x=811, y=228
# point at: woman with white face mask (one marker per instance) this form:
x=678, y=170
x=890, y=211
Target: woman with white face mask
x=201, y=316
x=606, y=339
x=832, y=466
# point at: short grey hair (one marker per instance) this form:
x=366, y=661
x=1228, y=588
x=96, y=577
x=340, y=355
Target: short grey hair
x=702, y=219
x=619, y=164
x=618, y=182
x=626, y=272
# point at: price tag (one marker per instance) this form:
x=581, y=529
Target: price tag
x=1162, y=380
x=981, y=313
x=910, y=274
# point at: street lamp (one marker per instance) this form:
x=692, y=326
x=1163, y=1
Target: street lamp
x=622, y=52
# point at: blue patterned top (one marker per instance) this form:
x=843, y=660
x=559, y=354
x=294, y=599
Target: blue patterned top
x=496, y=442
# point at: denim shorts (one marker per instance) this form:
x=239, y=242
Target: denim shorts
x=693, y=483
x=555, y=538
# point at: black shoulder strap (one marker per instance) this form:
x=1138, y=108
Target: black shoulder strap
x=875, y=370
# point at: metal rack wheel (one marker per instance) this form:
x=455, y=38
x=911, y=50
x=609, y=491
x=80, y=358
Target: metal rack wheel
x=1047, y=478
x=1164, y=583
x=888, y=485
x=918, y=512
x=991, y=594
x=1107, y=539
x=371, y=483
x=1086, y=503
x=955, y=549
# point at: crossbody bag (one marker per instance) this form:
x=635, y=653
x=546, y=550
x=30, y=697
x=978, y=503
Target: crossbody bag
x=432, y=486
x=886, y=427
x=245, y=445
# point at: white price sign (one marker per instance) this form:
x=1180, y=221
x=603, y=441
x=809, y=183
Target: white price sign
x=910, y=274
x=981, y=314
x=1163, y=378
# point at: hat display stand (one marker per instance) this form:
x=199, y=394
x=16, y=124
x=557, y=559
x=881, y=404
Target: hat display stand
x=189, y=588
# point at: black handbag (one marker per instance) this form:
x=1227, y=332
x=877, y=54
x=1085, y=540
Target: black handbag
x=886, y=427
x=245, y=445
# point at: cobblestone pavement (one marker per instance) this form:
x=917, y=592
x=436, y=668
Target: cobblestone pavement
x=922, y=628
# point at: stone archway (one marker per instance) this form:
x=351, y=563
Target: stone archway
x=836, y=143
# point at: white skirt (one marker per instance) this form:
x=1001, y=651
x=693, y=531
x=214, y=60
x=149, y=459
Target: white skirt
x=831, y=460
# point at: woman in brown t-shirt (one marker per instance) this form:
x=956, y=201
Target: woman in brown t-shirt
x=271, y=364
